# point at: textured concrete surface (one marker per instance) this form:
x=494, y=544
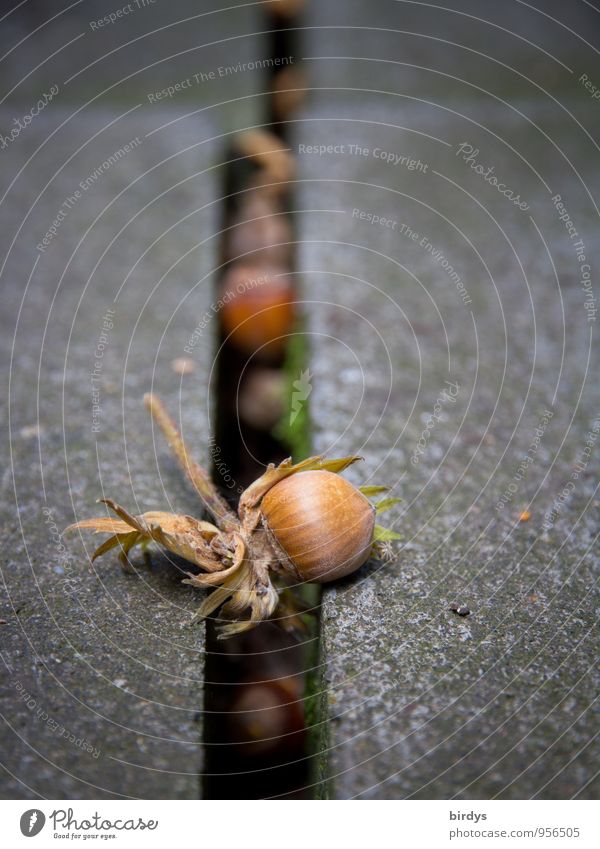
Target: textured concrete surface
x=147, y=49
x=424, y=703
x=102, y=672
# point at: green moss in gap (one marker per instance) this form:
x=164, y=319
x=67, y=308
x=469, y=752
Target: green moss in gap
x=293, y=429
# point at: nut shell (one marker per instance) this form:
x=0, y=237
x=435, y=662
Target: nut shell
x=289, y=92
x=267, y=237
x=321, y=522
x=261, y=400
x=258, y=312
x=287, y=8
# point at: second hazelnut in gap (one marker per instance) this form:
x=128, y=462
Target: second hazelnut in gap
x=257, y=309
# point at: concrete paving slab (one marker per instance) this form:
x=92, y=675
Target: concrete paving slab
x=102, y=672
x=452, y=336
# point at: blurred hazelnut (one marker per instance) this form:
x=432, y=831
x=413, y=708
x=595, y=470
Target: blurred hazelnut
x=256, y=203
x=266, y=237
x=286, y=8
x=263, y=713
x=257, y=308
x=289, y=92
x=268, y=152
x=261, y=402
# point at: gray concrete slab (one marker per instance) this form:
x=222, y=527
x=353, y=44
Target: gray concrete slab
x=102, y=672
x=448, y=48
x=421, y=702
x=153, y=53
x=486, y=301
